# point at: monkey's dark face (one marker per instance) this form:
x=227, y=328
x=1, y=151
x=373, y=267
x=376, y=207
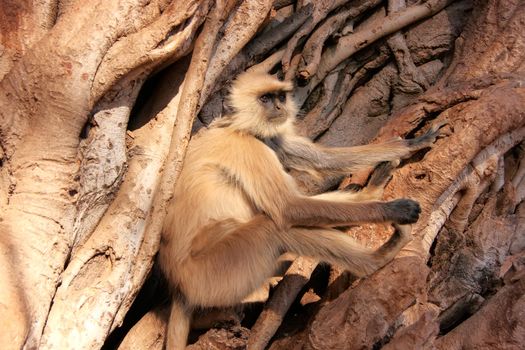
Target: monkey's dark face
x=262, y=104
x=274, y=104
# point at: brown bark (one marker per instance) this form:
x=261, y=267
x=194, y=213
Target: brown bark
x=99, y=100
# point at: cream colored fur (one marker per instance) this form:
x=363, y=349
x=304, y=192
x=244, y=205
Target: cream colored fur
x=235, y=209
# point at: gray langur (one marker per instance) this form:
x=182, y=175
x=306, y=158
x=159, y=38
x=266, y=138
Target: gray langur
x=235, y=209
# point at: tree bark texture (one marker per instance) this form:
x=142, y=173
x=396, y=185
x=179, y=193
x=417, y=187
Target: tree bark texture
x=99, y=100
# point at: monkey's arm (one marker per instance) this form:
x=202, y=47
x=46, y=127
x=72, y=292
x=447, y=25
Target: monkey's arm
x=273, y=192
x=300, y=153
x=308, y=211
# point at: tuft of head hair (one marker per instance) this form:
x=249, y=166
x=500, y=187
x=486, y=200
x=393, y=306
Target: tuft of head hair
x=249, y=115
x=249, y=85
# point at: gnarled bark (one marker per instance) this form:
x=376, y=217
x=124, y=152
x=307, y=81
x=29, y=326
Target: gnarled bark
x=99, y=100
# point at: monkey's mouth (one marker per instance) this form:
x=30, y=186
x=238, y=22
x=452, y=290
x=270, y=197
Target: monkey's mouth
x=277, y=118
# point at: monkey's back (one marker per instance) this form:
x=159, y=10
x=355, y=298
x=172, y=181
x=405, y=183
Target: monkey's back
x=207, y=192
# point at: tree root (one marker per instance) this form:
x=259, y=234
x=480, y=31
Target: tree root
x=352, y=43
x=516, y=192
x=411, y=80
x=103, y=161
x=152, y=46
x=149, y=333
x=251, y=53
x=147, y=231
x=121, y=256
x=311, y=54
x=276, y=308
x=269, y=63
x=419, y=335
x=321, y=117
x=483, y=165
x=320, y=11
x=249, y=16
x=314, y=45
x=505, y=309
x=349, y=314
x=487, y=144
x=313, y=123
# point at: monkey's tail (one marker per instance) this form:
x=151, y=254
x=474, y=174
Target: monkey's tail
x=336, y=247
x=178, y=325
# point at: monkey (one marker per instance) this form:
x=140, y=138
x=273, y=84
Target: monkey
x=235, y=209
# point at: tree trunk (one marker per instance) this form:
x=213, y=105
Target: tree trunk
x=99, y=100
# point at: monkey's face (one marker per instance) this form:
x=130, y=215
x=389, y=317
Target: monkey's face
x=274, y=105
x=262, y=103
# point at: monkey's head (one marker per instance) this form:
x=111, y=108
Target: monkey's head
x=262, y=104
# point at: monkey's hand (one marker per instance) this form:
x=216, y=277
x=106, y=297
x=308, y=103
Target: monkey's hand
x=427, y=139
x=382, y=174
x=375, y=187
x=403, y=211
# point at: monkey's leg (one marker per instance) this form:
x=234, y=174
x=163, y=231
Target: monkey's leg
x=211, y=234
x=225, y=272
x=307, y=211
x=228, y=260
x=337, y=248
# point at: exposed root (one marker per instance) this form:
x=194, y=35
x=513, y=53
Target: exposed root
x=185, y=104
x=411, y=79
x=269, y=63
x=122, y=273
x=292, y=69
x=481, y=169
x=320, y=11
x=499, y=180
x=352, y=43
x=258, y=47
x=275, y=309
x=149, y=333
x=406, y=119
x=321, y=117
x=518, y=177
x=152, y=46
x=472, y=187
x=103, y=161
x=518, y=182
x=315, y=44
x=187, y=109
x=401, y=282
x=418, y=335
x=514, y=189
x=460, y=310
x=338, y=281
x=310, y=125
x=311, y=55
x=500, y=321
x=249, y=16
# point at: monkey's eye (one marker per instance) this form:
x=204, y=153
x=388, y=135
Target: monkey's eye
x=265, y=98
x=281, y=96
